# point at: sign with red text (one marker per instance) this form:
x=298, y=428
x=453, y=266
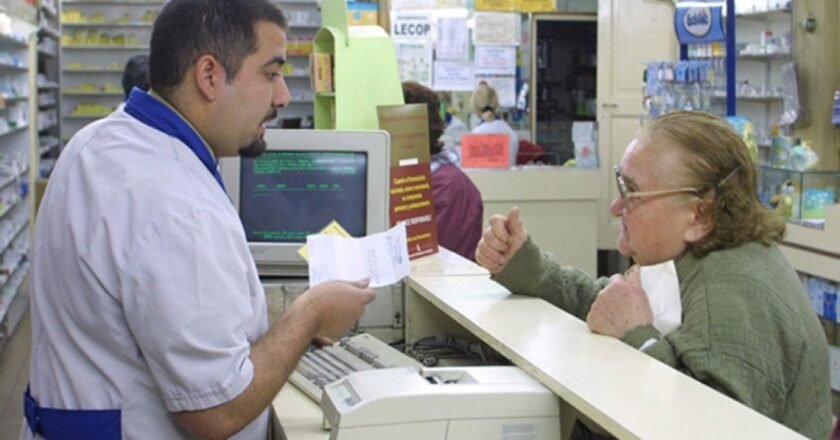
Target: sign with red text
x=412, y=203
x=411, y=177
x=485, y=151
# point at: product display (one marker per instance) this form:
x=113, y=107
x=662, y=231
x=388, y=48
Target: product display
x=799, y=196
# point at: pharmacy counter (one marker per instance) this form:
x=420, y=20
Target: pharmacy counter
x=628, y=393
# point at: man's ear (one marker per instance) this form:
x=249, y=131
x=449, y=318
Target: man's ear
x=209, y=76
x=702, y=221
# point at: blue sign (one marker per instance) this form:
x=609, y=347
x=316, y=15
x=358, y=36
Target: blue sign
x=699, y=24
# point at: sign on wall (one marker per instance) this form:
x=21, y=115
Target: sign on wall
x=699, y=24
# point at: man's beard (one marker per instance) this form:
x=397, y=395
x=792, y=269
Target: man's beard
x=255, y=149
x=258, y=146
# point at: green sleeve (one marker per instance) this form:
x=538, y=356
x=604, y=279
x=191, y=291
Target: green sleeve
x=662, y=350
x=532, y=272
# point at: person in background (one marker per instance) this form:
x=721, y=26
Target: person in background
x=687, y=192
x=458, y=207
x=453, y=127
x=136, y=74
x=149, y=320
x=485, y=104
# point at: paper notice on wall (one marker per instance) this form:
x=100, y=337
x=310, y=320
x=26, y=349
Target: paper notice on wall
x=415, y=61
x=382, y=257
x=452, y=39
x=485, y=151
x=450, y=4
x=500, y=28
x=454, y=76
x=505, y=88
x=495, y=5
x=536, y=6
x=414, y=26
x=398, y=5
x=495, y=60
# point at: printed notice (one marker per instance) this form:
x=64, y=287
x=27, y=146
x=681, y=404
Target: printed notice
x=535, y=5
x=495, y=5
x=454, y=76
x=415, y=26
x=452, y=40
x=499, y=28
x=485, y=151
x=495, y=60
x=505, y=87
x=381, y=257
x=415, y=61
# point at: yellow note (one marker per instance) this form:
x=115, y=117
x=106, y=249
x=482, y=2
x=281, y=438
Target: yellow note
x=331, y=229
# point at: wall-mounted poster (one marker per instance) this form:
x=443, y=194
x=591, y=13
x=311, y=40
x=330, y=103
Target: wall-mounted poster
x=495, y=60
x=501, y=28
x=415, y=61
x=454, y=76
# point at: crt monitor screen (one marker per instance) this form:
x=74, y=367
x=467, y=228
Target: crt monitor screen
x=305, y=180
x=286, y=195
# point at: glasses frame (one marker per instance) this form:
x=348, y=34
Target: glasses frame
x=629, y=195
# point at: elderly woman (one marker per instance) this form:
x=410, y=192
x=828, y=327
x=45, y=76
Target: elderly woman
x=687, y=193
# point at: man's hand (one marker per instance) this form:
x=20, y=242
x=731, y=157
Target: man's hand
x=339, y=304
x=621, y=306
x=500, y=241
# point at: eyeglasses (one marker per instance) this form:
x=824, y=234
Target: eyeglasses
x=628, y=195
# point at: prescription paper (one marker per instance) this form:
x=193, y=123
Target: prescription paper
x=380, y=257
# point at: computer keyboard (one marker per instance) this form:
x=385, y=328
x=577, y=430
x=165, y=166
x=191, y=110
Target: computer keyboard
x=320, y=366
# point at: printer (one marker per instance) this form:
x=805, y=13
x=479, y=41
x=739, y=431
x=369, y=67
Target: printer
x=441, y=403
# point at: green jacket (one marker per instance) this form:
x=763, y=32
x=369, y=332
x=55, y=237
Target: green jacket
x=747, y=330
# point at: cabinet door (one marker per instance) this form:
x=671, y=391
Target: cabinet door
x=630, y=34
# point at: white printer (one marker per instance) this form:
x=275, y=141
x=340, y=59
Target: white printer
x=444, y=403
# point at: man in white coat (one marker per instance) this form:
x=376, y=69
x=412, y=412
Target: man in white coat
x=149, y=320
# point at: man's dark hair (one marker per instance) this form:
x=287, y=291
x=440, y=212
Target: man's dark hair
x=136, y=74
x=187, y=29
x=416, y=93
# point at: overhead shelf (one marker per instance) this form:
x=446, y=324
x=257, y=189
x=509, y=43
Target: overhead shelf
x=763, y=15
x=139, y=24
x=103, y=47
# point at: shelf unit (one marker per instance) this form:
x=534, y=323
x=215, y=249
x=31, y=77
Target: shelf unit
x=98, y=38
x=18, y=158
x=760, y=70
x=48, y=77
x=304, y=20
x=359, y=85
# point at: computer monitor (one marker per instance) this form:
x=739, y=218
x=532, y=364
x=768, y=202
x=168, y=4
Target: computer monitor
x=305, y=180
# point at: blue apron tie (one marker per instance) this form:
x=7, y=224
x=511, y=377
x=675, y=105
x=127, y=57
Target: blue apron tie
x=159, y=116
x=71, y=424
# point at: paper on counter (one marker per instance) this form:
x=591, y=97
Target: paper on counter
x=381, y=257
x=663, y=290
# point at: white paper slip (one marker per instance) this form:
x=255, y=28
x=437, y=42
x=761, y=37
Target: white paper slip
x=663, y=291
x=380, y=257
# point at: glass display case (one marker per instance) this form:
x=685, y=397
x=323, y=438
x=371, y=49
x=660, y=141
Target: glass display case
x=800, y=196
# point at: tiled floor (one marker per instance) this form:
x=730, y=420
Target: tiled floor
x=14, y=374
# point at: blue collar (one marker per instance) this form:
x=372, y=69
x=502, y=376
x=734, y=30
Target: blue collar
x=150, y=111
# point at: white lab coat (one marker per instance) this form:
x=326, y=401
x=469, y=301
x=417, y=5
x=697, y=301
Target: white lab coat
x=145, y=297
x=499, y=126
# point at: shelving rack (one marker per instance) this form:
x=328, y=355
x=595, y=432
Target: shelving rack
x=47, y=80
x=98, y=38
x=18, y=156
x=304, y=19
